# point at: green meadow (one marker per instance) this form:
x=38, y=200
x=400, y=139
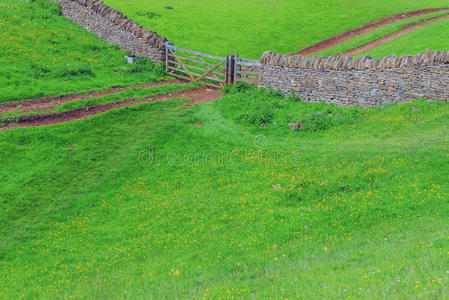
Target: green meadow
x=250, y=27
x=159, y=202
x=221, y=200
x=42, y=53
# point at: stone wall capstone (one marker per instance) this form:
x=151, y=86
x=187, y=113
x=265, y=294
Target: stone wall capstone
x=115, y=28
x=358, y=81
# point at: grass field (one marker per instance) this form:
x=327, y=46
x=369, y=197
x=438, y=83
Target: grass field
x=42, y=53
x=139, y=203
x=251, y=27
x=222, y=200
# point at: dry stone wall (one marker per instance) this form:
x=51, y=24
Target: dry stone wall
x=115, y=28
x=361, y=81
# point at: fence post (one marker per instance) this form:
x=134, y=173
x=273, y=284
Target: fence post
x=234, y=65
x=230, y=69
x=237, y=68
x=168, y=57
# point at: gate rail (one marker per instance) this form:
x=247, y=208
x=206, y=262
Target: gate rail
x=247, y=70
x=196, y=66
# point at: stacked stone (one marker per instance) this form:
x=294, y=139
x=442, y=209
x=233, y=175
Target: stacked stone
x=341, y=63
x=360, y=81
x=115, y=28
x=117, y=18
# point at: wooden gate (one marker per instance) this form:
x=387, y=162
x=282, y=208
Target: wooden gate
x=195, y=66
x=209, y=69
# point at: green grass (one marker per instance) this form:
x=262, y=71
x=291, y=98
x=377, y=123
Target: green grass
x=377, y=34
x=42, y=53
x=251, y=27
x=140, y=204
x=135, y=94
x=19, y=113
x=432, y=36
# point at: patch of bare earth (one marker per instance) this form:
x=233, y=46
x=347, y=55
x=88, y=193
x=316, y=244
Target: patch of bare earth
x=193, y=95
x=353, y=33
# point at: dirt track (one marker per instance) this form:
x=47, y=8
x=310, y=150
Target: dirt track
x=350, y=34
x=47, y=103
x=392, y=36
x=194, y=95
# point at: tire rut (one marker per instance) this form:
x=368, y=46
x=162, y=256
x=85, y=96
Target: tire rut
x=194, y=95
x=368, y=27
x=392, y=36
x=47, y=103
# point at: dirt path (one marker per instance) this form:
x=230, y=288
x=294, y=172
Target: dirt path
x=393, y=36
x=47, y=103
x=350, y=34
x=194, y=95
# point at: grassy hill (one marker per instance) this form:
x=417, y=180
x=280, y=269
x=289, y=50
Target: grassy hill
x=207, y=203
x=223, y=200
x=42, y=53
x=251, y=27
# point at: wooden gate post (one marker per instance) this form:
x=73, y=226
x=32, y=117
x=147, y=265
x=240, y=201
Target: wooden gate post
x=237, y=69
x=230, y=69
x=234, y=64
x=168, y=57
